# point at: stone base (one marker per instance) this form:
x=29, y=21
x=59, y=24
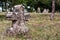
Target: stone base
x=19, y=30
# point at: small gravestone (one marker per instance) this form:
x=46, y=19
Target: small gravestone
x=38, y=10
x=45, y=10
x=18, y=21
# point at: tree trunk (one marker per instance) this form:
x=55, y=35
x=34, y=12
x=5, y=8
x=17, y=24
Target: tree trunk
x=53, y=10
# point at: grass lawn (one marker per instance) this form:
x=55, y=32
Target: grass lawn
x=41, y=28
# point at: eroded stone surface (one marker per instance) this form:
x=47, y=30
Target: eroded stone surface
x=18, y=21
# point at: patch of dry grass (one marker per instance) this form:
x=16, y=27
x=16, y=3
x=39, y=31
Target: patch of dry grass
x=41, y=28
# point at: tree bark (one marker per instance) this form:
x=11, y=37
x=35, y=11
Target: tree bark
x=53, y=10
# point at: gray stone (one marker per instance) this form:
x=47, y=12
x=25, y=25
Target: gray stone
x=18, y=21
x=38, y=10
x=45, y=10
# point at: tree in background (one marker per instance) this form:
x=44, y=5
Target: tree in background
x=53, y=10
x=43, y=4
x=57, y=5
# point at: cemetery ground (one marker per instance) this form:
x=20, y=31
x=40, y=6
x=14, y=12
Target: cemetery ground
x=41, y=28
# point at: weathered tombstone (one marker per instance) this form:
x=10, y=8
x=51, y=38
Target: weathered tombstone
x=45, y=10
x=18, y=21
x=38, y=10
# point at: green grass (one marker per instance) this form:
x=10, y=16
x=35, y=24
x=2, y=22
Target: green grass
x=41, y=28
